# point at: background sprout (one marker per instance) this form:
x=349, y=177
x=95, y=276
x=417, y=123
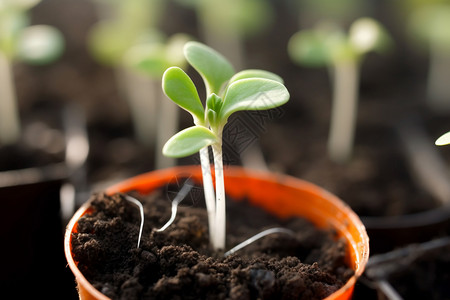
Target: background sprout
x=150, y=60
x=327, y=45
x=226, y=93
x=128, y=40
x=224, y=24
x=38, y=44
x=428, y=25
x=122, y=24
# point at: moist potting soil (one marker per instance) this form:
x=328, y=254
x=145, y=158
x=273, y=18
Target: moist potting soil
x=178, y=263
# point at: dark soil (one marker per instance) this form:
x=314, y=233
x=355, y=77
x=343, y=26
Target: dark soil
x=376, y=182
x=179, y=264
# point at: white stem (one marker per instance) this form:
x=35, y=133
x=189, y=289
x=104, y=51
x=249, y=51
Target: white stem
x=344, y=111
x=9, y=116
x=208, y=189
x=220, y=220
x=140, y=92
x=438, y=88
x=167, y=126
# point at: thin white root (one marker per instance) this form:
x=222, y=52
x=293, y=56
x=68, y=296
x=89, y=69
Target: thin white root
x=257, y=237
x=185, y=189
x=141, y=209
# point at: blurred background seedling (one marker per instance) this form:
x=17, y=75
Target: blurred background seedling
x=20, y=41
x=127, y=38
x=226, y=25
x=428, y=26
x=327, y=45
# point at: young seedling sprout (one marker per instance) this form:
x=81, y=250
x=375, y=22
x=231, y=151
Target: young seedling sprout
x=427, y=25
x=227, y=92
x=327, y=45
x=37, y=44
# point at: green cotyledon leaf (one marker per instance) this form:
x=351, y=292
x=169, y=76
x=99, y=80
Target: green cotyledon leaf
x=212, y=66
x=189, y=141
x=180, y=89
x=253, y=94
x=255, y=73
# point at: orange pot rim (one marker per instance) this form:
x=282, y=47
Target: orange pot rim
x=160, y=177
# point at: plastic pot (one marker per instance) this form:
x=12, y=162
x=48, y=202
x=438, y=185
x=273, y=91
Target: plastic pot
x=294, y=198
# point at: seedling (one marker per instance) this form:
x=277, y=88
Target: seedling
x=147, y=62
x=127, y=38
x=327, y=45
x=227, y=92
x=427, y=25
x=38, y=44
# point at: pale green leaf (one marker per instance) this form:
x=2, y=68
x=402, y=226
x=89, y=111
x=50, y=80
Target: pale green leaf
x=212, y=66
x=40, y=44
x=149, y=59
x=366, y=34
x=308, y=48
x=180, y=89
x=253, y=94
x=443, y=139
x=189, y=141
x=255, y=73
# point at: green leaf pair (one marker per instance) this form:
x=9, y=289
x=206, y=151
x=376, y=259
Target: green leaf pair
x=327, y=43
x=227, y=93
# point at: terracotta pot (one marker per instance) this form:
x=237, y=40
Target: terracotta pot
x=294, y=198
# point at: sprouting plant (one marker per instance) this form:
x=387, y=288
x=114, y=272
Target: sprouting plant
x=426, y=24
x=127, y=38
x=37, y=44
x=327, y=45
x=149, y=61
x=227, y=92
x=123, y=24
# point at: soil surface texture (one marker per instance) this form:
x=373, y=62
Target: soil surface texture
x=178, y=263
